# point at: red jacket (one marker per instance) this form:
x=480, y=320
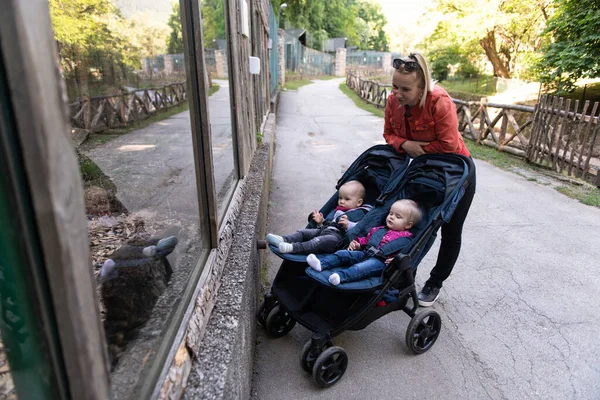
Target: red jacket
x=436, y=123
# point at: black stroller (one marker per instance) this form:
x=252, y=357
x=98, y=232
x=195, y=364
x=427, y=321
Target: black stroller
x=300, y=294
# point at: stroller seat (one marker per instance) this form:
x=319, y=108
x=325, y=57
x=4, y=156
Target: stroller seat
x=300, y=294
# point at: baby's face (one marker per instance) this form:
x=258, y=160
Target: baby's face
x=348, y=198
x=398, y=218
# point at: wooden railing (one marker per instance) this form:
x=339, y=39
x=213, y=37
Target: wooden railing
x=514, y=121
x=108, y=112
x=372, y=91
x=564, y=140
x=548, y=134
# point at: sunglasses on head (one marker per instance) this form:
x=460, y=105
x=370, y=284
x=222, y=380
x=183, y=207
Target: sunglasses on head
x=410, y=63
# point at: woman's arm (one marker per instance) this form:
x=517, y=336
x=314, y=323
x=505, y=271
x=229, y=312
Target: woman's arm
x=389, y=135
x=446, y=128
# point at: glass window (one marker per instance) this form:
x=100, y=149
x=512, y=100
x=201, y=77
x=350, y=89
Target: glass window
x=219, y=103
x=124, y=68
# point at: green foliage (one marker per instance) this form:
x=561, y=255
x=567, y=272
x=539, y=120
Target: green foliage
x=98, y=46
x=501, y=31
x=175, y=40
x=574, y=49
x=360, y=21
x=213, y=21
x=90, y=170
x=360, y=103
x=296, y=84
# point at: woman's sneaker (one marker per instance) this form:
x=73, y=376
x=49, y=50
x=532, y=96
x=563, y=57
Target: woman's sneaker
x=428, y=295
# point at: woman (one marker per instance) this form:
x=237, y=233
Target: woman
x=421, y=118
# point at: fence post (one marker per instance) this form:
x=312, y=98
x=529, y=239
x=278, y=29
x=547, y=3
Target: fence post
x=340, y=62
x=87, y=112
x=281, y=55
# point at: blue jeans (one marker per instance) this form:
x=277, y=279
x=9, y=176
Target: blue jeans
x=359, y=266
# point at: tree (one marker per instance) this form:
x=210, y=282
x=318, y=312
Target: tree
x=573, y=51
x=359, y=21
x=213, y=21
x=175, y=40
x=92, y=35
x=504, y=29
x=446, y=49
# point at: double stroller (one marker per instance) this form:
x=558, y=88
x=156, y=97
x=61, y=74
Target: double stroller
x=302, y=295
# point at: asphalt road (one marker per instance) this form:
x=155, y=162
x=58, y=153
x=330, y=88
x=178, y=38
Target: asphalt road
x=153, y=169
x=520, y=312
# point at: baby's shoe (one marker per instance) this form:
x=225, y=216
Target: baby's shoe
x=284, y=247
x=273, y=239
x=334, y=279
x=314, y=262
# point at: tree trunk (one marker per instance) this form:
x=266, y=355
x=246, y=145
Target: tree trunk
x=488, y=43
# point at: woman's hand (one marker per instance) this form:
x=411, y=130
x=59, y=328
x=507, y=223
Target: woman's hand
x=354, y=245
x=414, y=148
x=317, y=217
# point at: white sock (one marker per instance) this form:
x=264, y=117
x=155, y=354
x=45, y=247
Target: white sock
x=107, y=268
x=314, y=262
x=273, y=239
x=334, y=279
x=285, y=247
x=150, y=251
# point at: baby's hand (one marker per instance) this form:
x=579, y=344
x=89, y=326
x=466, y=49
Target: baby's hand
x=354, y=245
x=343, y=221
x=317, y=217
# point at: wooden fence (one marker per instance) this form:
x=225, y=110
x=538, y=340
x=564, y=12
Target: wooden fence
x=372, y=91
x=548, y=134
x=107, y=112
x=565, y=140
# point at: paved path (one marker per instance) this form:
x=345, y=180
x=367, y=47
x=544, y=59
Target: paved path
x=520, y=312
x=153, y=168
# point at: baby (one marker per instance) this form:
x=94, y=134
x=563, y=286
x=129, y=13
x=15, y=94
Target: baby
x=329, y=234
x=371, y=261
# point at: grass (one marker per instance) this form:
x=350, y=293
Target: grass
x=295, y=85
x=102, y=138
x=213, y=89
x=495, y=157
x=90, y=171
x=96, y=139
x=482, y=86
x=581, y=191
x=298, y=83
x=586, y=194
x=360, y=103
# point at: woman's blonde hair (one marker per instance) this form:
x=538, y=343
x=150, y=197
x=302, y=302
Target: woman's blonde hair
x=423, y=73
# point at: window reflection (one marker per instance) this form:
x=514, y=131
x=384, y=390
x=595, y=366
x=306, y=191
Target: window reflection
x=7, y=386
x=124, y=69
x=216, y=58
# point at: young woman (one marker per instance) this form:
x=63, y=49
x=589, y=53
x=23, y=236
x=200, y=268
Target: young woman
x=421, y=118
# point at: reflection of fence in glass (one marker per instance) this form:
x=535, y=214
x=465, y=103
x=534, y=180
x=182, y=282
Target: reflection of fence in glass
x=273, y=52
x=305, y=61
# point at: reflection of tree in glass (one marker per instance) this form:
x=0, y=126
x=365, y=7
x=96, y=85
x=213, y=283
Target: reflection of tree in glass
x=100, y=50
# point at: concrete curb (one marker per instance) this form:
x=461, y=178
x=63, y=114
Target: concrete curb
x=223, y=368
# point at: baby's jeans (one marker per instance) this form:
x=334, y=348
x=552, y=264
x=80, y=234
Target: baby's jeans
x=359, y=266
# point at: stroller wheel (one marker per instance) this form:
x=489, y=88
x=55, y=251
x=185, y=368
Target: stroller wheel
x=423, y=330
x=279, y=322
x=307, y=361
x=330, y=366
x=262, y=313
